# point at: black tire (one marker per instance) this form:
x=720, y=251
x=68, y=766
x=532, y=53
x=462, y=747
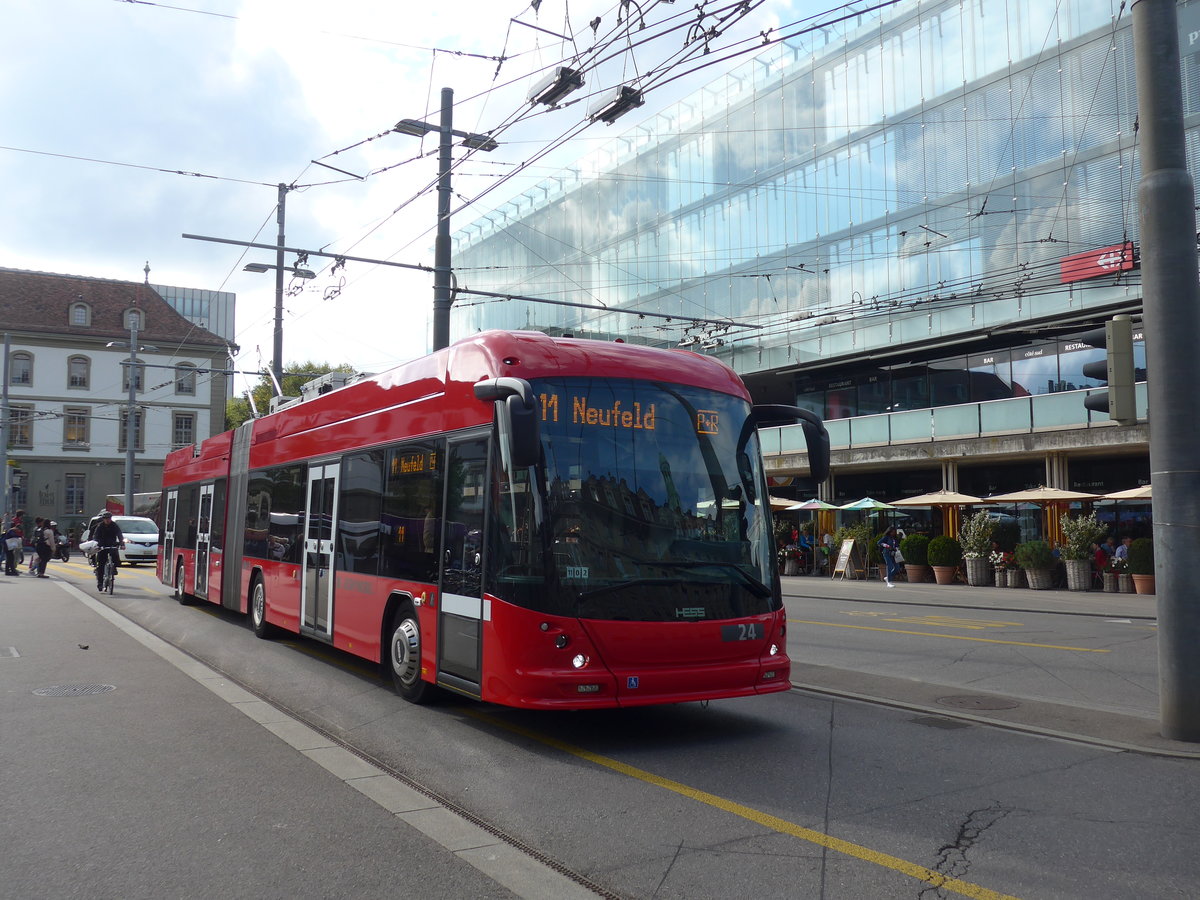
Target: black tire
x=110, y=578
x=404, y=657
x=258, y=610
x=179, y=593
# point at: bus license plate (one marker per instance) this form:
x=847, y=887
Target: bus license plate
x=747, y=631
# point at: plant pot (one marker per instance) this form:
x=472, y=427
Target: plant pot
x=1110, y=582
x=978, y=571
x=916, y=574
x=1079, y=574
x=944, y=574
x=1040, y=579
x=1016, y=578
x=791, y=566
x=1001, y=577
x=1143, y=584
x=1125, y=583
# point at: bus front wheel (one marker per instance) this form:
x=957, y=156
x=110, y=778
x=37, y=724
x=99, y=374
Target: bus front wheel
x=258, y=610
x=405, y=655
x=180, y=594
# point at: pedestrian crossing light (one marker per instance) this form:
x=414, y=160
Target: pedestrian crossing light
x=1116, y=370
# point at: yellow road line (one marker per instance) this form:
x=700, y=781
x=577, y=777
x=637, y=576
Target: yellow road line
x=948, y=637
x=774, y=823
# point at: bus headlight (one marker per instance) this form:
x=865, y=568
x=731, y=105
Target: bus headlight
x=774, y=651
x=579, y=661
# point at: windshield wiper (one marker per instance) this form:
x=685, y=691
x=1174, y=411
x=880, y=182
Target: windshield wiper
x=757, y=588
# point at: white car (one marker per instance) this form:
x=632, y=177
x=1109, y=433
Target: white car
x=141, y=538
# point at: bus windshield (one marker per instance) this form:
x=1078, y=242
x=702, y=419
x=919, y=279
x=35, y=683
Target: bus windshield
x=651, y=506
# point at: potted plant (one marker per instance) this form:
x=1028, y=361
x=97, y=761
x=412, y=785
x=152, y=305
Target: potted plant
x=1141, y=565
x=975, y=535
x=1037, y=559
x=1113, y=569
x=915, y=550
x=1002, y=563
x=945, y=553
x=1079, y=532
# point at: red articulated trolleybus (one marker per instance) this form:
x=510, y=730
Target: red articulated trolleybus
x=546, y=523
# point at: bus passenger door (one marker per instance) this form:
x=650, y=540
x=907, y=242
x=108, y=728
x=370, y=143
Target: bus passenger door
x=463, y=611
x=316, y=615
x=203, y=529
x=167, y=539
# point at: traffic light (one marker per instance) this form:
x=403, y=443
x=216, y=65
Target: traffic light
x=1116, y=337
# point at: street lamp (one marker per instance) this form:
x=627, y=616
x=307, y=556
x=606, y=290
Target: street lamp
x=130, y=429
x=279, y=268
x=259, y=268
x=442, y=298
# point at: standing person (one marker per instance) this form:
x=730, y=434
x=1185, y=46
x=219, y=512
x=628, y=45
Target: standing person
x=888, y=545
x=45, y=546
x=35, y=535
x=14, y=540
x=108, y=538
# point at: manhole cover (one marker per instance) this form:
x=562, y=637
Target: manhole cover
x=970, y=702
x=74, y=690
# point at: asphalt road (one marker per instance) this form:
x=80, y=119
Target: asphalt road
x=803, y=794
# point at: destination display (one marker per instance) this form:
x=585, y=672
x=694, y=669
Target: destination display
x=579, y=410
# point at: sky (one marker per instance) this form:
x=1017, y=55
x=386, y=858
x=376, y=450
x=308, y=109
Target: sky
x=125, y=124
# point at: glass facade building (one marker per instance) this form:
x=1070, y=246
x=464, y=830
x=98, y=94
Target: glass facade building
x=921, y=206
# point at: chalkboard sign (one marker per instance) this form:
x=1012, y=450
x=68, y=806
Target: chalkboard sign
x=844, y=559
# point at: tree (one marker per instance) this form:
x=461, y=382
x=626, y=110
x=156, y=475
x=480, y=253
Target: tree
x=238, y=410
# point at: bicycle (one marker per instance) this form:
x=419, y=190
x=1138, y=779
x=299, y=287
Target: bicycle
x=108, y=579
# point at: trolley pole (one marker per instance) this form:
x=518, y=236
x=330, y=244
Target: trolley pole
x=442, y=294
x=1171, y=303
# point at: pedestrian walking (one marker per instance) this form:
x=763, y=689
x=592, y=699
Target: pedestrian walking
x=888, y=545
x=14, y=542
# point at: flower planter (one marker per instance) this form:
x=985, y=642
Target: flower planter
x=1110, y=582
x=944, y=574
x=1125, y=583
x=791, y=566
x=1143, y=584
x=1001, y=577
x=1040, y=579
x=1079, y=574
x=978, y=571
x=916, y=574
x=1016, y=578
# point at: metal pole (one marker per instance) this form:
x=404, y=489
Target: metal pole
x=6, y=477
x=441, y=246
x=130, y=413
x=1171, y=302
x=277, y=363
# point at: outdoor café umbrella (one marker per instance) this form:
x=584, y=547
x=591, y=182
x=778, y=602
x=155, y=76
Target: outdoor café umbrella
x=1046, y=498
x=1137, y=493
x=944, y=500
x=814, y=505
x=867, y=503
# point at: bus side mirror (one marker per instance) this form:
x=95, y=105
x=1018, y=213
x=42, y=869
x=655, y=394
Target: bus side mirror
x=516, y=419
x=816, y=437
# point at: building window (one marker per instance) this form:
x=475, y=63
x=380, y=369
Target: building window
x=137, y=431
x=20, y=426
x=183, y=430
x=20, y=369
x=134, y=319
x=185, y=380
x=137, y=482
x=76, y=421
x=20, y=489
x=79, y=372
x=139, y=370
x=76, y=494
x=81, y=315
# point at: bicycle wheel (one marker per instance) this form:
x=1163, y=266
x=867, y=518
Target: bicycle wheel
x=109, y=574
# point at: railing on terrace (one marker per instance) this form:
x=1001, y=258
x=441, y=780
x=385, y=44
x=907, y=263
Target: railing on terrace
x=1015, y=415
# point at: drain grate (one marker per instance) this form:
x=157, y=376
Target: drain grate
x=74, y=690
x=974, y=702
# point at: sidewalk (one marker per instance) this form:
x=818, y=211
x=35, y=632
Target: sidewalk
x=961, y=596
x=1051, y=719
x=132, y=770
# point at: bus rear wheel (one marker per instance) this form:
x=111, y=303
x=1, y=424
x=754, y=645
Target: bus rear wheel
x=258, y=610
x=404, y=652
x=180, y=593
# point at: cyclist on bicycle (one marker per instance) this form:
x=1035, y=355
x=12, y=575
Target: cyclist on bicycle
x=109, y=537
